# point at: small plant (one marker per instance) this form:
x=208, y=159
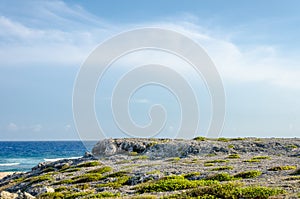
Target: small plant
x=88, y=177
x=101, y=170
x=223, y=139
x=291, y=146
x=252, y=160
x=66, y=181
x=175, y=159
x=41, y=178
x=117, y=174
x=82, y=186
x=141, y=157
x=282, y=168
x=54, y=195
x=216, y=161
x=221, y=177
x=70, y=170
x=230, y=146
x=61, y=188
x=209, y=164
x=133, y=153
x=234, y=156
x=200, y=138
x=153, y=172
x=190, y=175
x=261, y=157
x=164, y=185
x=222, y=168
x=89, y=164
x=105, y=194
x=248, y=174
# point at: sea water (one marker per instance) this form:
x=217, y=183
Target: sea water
x=23, y=155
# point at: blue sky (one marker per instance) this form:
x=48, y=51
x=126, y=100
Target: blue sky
x=254, y=44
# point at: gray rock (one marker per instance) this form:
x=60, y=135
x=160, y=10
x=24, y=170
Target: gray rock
x=35, y=191
x=8, y=195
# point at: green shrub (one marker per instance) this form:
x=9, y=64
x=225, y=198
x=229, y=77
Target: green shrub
x=82, y=186
x=117, y=174
x=48, y=169
x=230, y=146
x=105, y=194
x=282, y=168
x=252, y=160
x=119, y=182
x=222, y=168
x=101, y=170
x=54, y=195
x=230, y=191
x=66, y=181
x=133, y=153
x=209, y=164
x=41, y=178
x=216, y=161
x=153, y=172
x=175, y=159
x=221, y=177
x=192, y=174
x=248, y=174
x=234, y=156
x=89, y=164
x=141, y=157
x=70, y=170
x=223, y=139
x=164, y=185
x=200, y=138
x=88, y=177
x=77, y=195
x=260, y=157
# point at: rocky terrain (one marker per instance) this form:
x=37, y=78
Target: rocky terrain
x=165, y=168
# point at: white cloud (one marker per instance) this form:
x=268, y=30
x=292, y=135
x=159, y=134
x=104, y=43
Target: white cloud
x=73, y=33
x=12, y=127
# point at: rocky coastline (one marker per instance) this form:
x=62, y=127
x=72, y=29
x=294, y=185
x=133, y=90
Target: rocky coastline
x=167, y=168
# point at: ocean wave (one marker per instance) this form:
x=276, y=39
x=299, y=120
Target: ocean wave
x=57, y=159
x=9, y=164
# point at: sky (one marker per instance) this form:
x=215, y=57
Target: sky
x=254, y=45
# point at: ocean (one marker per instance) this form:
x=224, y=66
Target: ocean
x=23, y=155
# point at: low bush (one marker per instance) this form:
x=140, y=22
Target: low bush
x=222, y=168
x=248, y=174
x=282, y=168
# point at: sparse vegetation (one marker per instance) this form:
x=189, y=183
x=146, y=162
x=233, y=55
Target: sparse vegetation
x=216, y=161
x=209, y=164
x=89, y=164
x=222, y=168
x=234, y=156
x=221, y=177
x=282, y=168
x=101, y=170
x=200, y=138
x=248, y=174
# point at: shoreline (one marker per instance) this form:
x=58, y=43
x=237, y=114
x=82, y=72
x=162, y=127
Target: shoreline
x=5, y=173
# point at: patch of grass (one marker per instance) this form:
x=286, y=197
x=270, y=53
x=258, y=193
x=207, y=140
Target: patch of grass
x=70, y=170
x=141, y=157
x=234, y=156
x=66, y=181
x=230, y=146
x=48, y=169
x=223, y=139
x=40, y=178
x=291, y=146
x=209, y=164
x=101, y=170
x=54, y=195
x=216, y=161
x=282, y=168
x=179, y=183
x=261, y=157
x=248, y=174
x=211, y=155
x=153, y=172
x=292, y=178
x=144, y=197
x=151, y=144
x=222, y=168
x=230, y=191
x=200, y=138
x=89, y=164
x=77, y=195
x=105, y=194
x=175, y=159
x=133, y=153
x=88, y=177
x=237, y=139
x=192, y=174
x=117, y=174
x=119, y=182
x=252, y=160
x=82, y=186
x=221, y=177
x=61, y=188
x=123, y=162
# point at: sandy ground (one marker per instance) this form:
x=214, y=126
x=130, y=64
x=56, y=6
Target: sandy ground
x=3, y=174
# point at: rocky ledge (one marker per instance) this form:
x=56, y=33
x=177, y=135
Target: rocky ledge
x=166, y=168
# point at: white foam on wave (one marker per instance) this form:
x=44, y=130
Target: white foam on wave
x=9, y=164
x=57, y=159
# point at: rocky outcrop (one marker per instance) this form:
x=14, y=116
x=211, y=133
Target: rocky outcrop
x=161, y=148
